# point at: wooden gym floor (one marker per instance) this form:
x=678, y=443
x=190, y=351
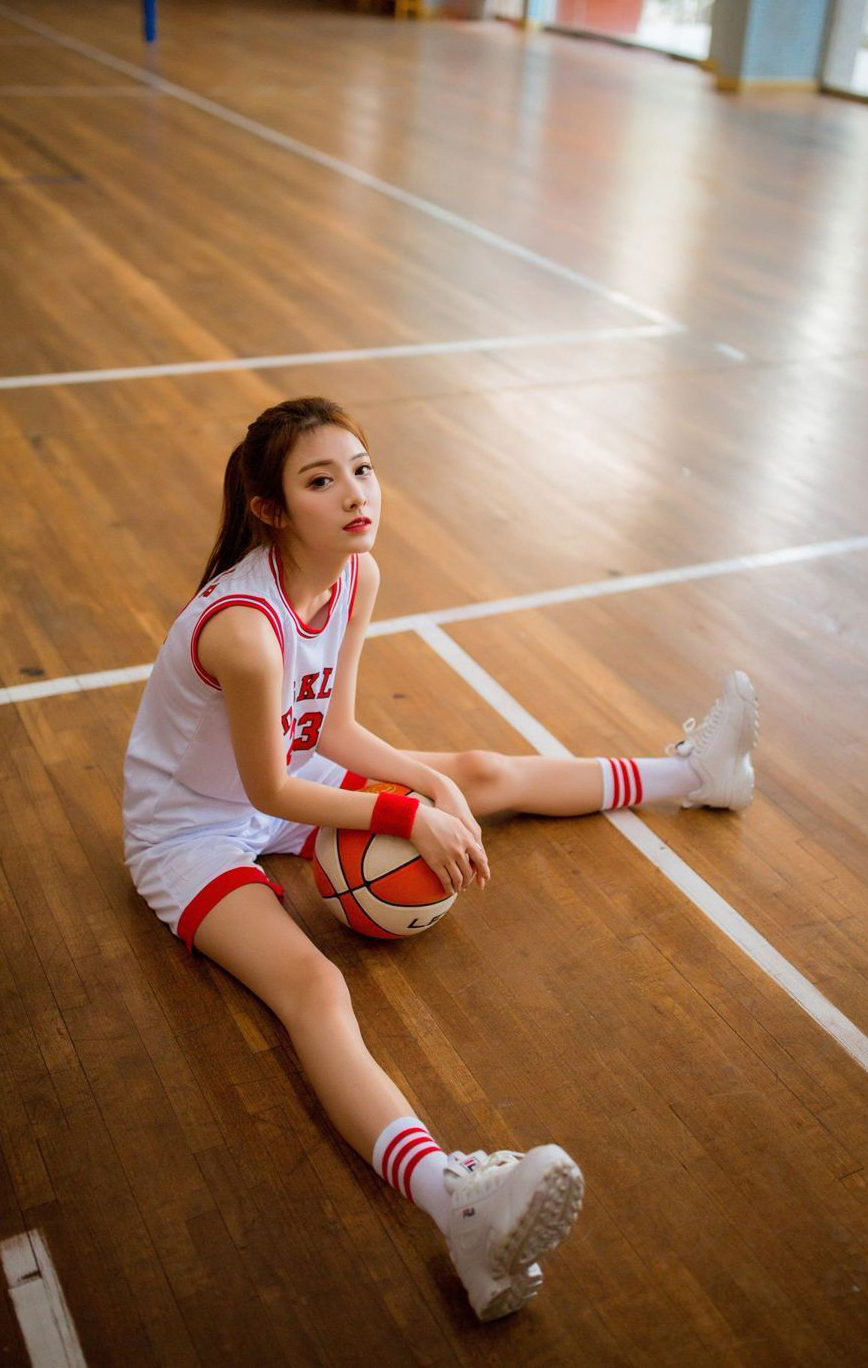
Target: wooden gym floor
x=650, y=306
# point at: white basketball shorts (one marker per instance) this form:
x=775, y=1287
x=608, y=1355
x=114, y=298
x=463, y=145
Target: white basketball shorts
x=182, y=878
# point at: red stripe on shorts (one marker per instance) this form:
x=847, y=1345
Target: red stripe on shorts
x=196, y=911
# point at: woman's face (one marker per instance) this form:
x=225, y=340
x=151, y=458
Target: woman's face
x=332, y=493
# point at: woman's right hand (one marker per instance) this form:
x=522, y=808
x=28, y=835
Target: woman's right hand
x=450, y=848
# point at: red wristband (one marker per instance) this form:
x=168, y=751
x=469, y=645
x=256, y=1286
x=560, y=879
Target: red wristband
x=394, y=814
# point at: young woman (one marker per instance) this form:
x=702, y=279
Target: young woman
x=246, y=741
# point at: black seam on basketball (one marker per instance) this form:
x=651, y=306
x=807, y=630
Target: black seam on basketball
x=388, y=930
x=371, y=836
x=409, y=907
x=369, y=888
x=406, y=865
x=387, y=902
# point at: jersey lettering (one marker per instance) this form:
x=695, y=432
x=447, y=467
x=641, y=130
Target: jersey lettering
x=305, y=689
x=179, y=731
x=308, y=732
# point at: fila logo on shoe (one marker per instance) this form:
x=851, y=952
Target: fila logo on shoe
x=468, y=1211
x=469, y=1164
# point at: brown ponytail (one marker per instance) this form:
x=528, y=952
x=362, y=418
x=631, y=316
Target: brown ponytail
x=255, y=468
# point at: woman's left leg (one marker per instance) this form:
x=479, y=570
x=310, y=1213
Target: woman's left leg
x=711, y=766
x=492, y=782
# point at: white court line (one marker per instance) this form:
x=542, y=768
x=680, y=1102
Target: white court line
x=39, y=1303
x=241, y=363
x=694, y=887
x=66, y=684
x=621, y=584
x=106, y=679
x=312, y=154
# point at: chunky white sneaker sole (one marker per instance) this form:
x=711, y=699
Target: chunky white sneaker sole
x=731, y=784
x=515, y=1293
x=547, y=1197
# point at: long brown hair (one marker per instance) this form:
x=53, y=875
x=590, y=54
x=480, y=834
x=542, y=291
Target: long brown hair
x=256, y=468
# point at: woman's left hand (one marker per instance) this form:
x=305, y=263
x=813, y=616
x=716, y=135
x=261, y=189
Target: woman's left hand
x=448, y=797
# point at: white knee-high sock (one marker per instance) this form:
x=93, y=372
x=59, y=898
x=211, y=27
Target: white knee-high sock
x=413, y=1163
x=627, y=782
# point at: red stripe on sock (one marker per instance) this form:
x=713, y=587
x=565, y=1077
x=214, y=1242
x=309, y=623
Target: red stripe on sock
x=625, y=782
x=397, y=1140
x=638, y=779
x=616, y=776
x=401, y=1154
x=629, y=795
x=408, y=1171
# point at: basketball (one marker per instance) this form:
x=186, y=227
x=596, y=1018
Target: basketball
x=378, y=885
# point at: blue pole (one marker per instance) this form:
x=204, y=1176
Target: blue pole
x=149, y=8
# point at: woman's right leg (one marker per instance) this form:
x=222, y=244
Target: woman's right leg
x=499, y=1212
x=251, y=935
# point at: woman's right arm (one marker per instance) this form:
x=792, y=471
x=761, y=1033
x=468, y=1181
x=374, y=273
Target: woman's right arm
x=239, y=649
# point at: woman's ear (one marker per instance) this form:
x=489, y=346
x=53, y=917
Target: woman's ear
x=266, y=512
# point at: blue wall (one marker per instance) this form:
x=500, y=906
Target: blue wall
x=784, y=40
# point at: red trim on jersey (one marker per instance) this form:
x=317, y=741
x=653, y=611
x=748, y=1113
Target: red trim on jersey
x=302, y=628
x=197, y=910
x=354, y=584
x=349, y=781
x=353, y=781
x=207, y=589
x=232, y=601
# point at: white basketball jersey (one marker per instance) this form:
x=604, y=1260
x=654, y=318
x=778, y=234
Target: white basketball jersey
x=180, y=771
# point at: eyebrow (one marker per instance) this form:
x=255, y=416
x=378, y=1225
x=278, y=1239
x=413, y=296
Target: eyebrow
x=312, y=464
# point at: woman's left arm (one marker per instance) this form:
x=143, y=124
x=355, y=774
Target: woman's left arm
x=345, y=741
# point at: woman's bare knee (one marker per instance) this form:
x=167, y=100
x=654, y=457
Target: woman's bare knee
x=315, y=988
x=481, y=768
x=252, y=936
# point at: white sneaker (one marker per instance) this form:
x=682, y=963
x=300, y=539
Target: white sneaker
x=507, y=1209
x=719, y=748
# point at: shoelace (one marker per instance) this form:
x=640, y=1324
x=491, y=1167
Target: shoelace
x=486, y=1163
x=709, y=723
x=500, y=1155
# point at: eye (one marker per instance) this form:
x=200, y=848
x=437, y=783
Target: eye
x=319, y=482
x=365, y=467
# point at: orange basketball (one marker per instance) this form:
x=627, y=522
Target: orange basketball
x=378, y=885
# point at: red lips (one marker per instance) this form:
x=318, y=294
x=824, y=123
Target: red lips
x=357, y=524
